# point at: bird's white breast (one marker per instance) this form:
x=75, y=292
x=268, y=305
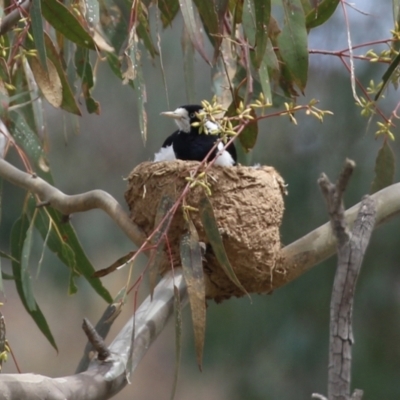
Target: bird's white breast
x=224, y=159
x=165, y=154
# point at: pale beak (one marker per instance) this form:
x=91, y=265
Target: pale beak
x=172, y=114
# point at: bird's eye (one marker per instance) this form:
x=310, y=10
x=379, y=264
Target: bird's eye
x=192, y=115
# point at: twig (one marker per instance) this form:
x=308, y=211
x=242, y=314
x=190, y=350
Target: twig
x=96, y=340
x=13, y=17
x=71, y=204
x=351, y=248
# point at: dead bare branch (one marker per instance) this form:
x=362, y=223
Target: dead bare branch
x=351, y=247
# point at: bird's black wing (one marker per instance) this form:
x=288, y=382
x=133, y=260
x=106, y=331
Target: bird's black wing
x=170, y=139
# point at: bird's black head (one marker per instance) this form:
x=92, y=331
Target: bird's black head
x=184, y=116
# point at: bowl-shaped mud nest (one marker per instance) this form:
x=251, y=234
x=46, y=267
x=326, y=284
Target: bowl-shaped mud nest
x=248, y=207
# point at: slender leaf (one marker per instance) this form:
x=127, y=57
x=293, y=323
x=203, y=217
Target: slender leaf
x=178, y=339
x=84, y=70
x=64, y=243
x=2, y=328
x=66, y=23
x=213, y=235
x=321, y=13
x=188, y=65
x=192, y=27
x=169, y=9
x=388, y=74
x=292, y=42
x=1, y=282
x=121, y=262
x=265, y=71
x=249, y=22
x=143, y=31
x=68, y=101
x=38, y=31
x=156, y=255
x=262, y=10
x=26, y=277
x=384, y=168
x=18, y=234
x=192, y=267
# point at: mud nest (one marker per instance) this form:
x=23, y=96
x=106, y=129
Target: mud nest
x=248, y=207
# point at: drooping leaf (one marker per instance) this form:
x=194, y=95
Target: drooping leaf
x=321, y=13
x=68, y=100
x=60, y=17
x=143, y=31
x=248, y=137
x=292, y=42
x=249, y=22
x=192, y=266
x=384, y=168
x=192, y=27
x=63, y=242
x=115, y=265
x=156, y=255
x=84, y=70
x=18, y=234
x=26, y=277
x=262, y=10
x=38, y=31
x=265, y=71
x=1, y=283
x=188, y=65
x=214, y=237
x=48, y=81
x=387, y=75
x=178, y=339
x=169, y=9
x=2, y=331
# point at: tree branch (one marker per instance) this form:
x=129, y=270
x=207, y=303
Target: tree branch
x=104, y=378
x=49, y=195
x=351, y=248
x=320, y=244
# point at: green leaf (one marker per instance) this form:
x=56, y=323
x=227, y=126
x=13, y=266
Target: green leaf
x=18, y=234
x=26, y=277
x=1, y=282
x=178, y=339
x=192, y=266
x=156, y=255
x=84, y=70
x=321, y=13
x=248, y=137
x=169, y=10
x=387, y=75
x=63, y=242
x=38, y=32
x=68, y=100
x=143, y=31
x=267, y=67
x=192, y=27
x=384, y=168
x=66, y=23
x=249, y=22
x=211, y=228
x=188, y=66
x=292, y=42
x=262, y=10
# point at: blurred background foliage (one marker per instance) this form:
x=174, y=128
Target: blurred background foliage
x=275, y=347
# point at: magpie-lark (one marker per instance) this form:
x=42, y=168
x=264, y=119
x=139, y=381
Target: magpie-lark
x=188, y=144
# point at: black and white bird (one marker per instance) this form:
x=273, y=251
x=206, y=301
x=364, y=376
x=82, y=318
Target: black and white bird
x=187, y=143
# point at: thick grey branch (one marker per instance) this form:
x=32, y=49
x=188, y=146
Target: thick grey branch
x=48, y=194
x=104, y=379
x=318, y=245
